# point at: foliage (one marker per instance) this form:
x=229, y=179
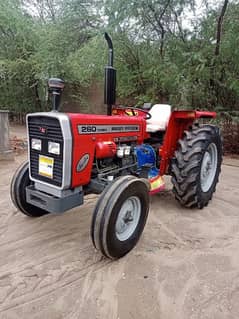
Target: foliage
x=159, y=56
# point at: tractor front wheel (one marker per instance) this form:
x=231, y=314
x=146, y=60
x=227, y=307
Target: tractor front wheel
x=197, y=165
x=19, y=183
x=120, y=216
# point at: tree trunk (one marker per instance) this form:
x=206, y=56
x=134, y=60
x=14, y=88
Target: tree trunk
x=37, y=98
x=214, y=84
x=219, y=27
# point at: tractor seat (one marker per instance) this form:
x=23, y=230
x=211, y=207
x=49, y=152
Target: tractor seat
x=160, y=114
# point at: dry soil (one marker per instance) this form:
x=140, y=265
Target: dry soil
x=186, y=264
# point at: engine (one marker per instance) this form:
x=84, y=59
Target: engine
x=114, y=160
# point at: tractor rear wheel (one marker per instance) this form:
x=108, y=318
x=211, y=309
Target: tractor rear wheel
x=19, y=183
x=197, y=165
x=120, y=216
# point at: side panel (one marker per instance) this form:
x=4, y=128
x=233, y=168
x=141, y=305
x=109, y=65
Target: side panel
x=89, y=129
x=179, y=122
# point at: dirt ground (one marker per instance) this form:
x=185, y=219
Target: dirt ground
x=184, y=266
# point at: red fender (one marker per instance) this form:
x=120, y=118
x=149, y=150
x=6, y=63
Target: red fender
x=179, y=122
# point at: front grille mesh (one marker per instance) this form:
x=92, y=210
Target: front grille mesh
x=52, y=133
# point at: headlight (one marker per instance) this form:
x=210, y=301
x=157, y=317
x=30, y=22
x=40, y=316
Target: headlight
x=36, y=144
x=54, y=148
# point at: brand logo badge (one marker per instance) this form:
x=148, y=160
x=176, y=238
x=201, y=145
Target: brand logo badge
x=43, y=130
x=83, y=162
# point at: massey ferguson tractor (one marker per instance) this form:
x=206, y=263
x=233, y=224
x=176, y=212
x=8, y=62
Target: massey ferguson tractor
x=122, y=156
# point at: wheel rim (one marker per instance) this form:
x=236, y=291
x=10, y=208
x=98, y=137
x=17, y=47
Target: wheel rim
x=128, y=218
x=209, y=167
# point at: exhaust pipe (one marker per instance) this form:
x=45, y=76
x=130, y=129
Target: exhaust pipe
x=110, y=78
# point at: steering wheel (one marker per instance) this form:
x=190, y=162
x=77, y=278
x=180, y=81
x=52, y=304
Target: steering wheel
x=147, y=117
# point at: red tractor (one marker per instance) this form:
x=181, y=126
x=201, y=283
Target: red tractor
x=122, y=156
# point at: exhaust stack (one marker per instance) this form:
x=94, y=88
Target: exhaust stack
x=110, y=78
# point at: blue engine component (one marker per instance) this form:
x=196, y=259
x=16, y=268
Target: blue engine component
x=146, y=158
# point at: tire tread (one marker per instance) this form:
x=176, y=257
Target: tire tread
x=185, y=169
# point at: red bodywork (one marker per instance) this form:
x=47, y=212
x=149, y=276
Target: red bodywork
x=87, y=143
x=93, y=143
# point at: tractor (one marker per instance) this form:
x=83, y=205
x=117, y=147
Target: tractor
x=123, y=156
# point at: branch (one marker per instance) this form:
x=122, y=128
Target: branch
x=178, y=24
x=160, y=24
x=52, y=10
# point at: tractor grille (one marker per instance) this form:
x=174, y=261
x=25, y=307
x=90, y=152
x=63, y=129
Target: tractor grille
x=46, y=129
